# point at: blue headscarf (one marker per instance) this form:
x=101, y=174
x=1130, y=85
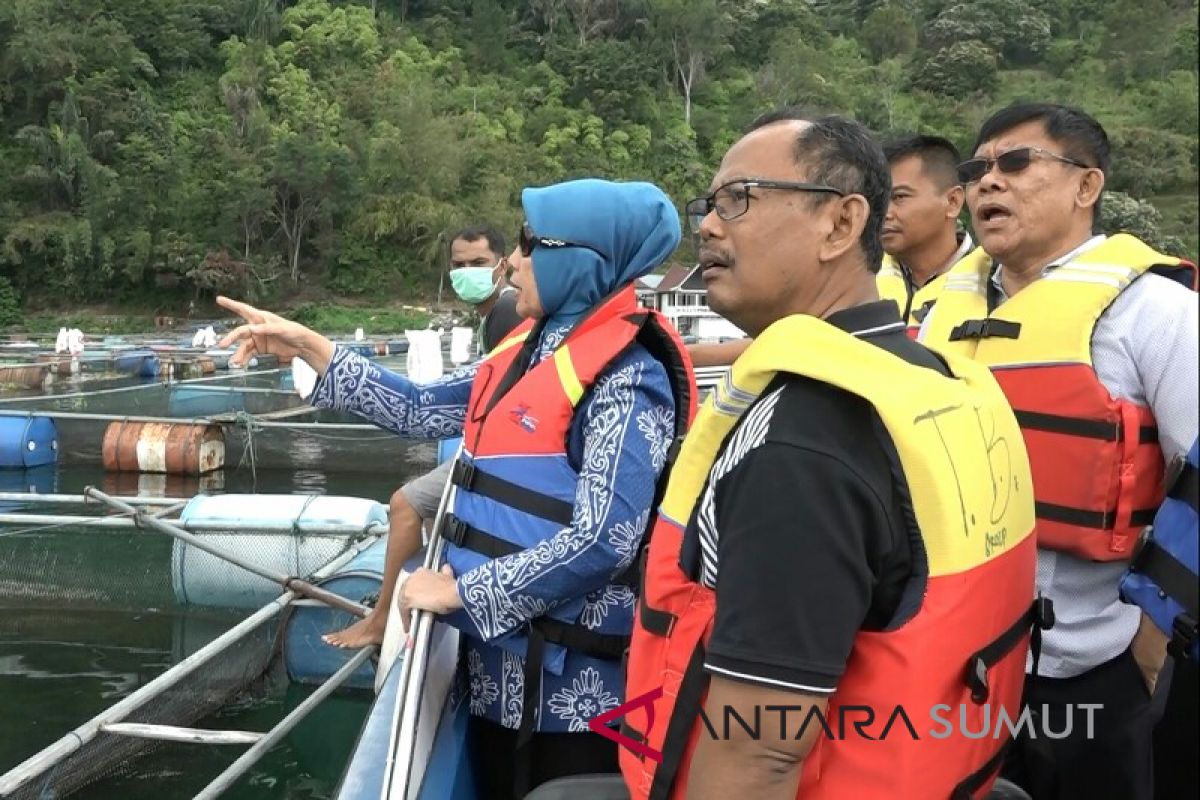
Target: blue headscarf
x=630, y=229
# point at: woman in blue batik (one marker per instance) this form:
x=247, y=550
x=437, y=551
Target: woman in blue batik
x=567, y=428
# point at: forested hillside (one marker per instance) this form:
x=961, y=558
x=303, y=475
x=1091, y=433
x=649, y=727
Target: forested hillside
x=152, y=151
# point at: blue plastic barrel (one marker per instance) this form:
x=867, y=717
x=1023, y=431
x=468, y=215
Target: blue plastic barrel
x=27, y=442
x=134, y=362
x=310, y=660
x=149, y=367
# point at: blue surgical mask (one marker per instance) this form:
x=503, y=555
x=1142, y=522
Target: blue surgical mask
x=473, y=284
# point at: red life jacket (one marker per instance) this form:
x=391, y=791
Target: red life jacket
x=516, y=485
x=1097, y=464
x=964, y=646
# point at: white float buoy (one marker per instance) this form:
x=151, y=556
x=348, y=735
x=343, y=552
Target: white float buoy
x=460, y=345
x=424, y=361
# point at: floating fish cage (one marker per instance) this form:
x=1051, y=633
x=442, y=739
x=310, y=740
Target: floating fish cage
x=252, y=638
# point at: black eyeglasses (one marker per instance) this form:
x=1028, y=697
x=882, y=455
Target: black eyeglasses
x=732, y=200
x=527, y=240
x=1009, y=162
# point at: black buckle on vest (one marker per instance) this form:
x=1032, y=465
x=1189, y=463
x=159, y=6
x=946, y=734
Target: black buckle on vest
x=1183, y=636
x=462, y=474
x=454, y=530
x=1044, y=612
x=977, y=679
x=986, y=328
x=673, y=451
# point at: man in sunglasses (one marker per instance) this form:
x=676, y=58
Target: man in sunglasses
x=1095, y=345
x=567, y=427
x=477, y=275
x=836, y=537
x=920, y=232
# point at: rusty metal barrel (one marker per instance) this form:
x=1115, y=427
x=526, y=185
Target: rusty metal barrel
x=24, y=376
x=174, y=448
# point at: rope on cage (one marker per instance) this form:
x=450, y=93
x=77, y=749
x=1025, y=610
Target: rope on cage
x=251, y=424
x=81, y=523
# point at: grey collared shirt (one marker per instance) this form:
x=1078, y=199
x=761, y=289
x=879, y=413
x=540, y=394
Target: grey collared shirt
x=1145, y=350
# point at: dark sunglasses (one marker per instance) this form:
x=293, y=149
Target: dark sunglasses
x=527, y=240
x=1009, y=162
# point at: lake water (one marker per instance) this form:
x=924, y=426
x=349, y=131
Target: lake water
x=62, y=661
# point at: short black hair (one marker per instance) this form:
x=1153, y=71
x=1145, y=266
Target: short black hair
x=843, y=154
x=1080, y=135
x=939, y=157
x=474, y=233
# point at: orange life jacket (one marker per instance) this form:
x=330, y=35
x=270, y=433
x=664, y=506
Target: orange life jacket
x=965, y=465
x=1097, y=465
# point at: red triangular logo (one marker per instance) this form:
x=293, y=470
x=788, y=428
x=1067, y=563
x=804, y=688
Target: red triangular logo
x=600, y=724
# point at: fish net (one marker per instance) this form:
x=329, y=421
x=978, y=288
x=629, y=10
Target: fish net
x=244, y=672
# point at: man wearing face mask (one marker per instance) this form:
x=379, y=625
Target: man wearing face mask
x=477, y=267
x=477, y=277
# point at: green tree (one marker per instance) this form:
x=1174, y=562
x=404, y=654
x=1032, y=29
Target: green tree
x=1016, y=31
x=1121, y=213
x=960, y=70
x=889, y=31
x=690, y=35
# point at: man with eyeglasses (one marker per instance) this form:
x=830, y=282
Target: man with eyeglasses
x=921, y=236
x=1095, y=345
x=477, y=275
x=836, y=538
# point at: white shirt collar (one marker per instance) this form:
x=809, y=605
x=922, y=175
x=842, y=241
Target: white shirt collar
x=965, y=246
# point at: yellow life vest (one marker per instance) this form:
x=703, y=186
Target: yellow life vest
x=962, y=457
x=893, y=285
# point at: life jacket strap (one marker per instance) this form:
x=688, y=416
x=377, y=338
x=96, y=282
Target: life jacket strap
x=572, y=637
x=469, y=477
x=1186, y=488
x=1085, y=518
x=1083, y=428
x=968, y=786
x=477, y=540
x=660, y=623
x=987, y=328
x=1038, y=617
x=688, y=703
x=1171, y=576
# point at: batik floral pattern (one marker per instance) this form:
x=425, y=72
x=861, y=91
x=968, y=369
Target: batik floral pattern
x=483, y=689
x=585, y=700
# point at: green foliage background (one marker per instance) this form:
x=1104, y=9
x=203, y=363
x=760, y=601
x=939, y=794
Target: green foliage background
x=154, y=152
